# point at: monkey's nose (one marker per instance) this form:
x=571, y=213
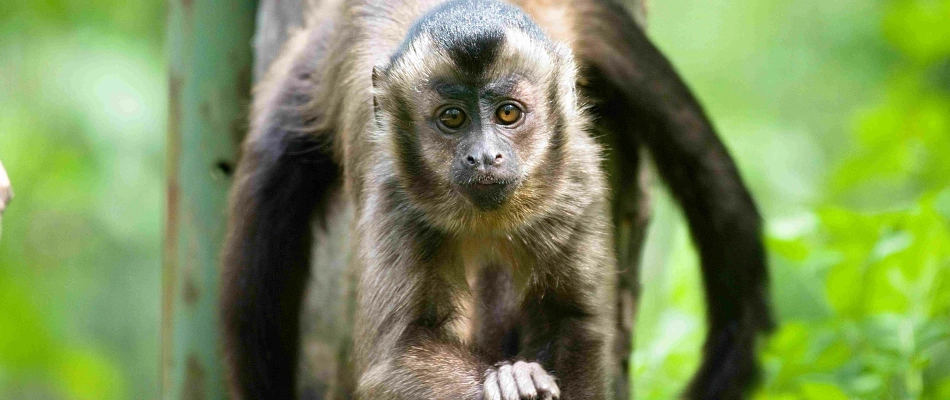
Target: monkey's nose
x=485, y=160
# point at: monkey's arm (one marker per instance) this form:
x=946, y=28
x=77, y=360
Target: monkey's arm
x=403, y=347
x=628, y=71
x=423, y=365
x=282, y=179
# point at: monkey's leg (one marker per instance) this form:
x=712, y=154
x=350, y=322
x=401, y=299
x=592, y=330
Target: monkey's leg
x=725, y=225
x=282, y=180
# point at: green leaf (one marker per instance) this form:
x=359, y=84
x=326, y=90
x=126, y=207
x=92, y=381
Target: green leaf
x=821, y=391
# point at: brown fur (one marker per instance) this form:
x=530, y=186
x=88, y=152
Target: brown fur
x=447, y=290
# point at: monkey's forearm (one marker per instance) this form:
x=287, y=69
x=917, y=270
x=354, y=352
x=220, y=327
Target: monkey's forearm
x=406, y=351
x=425, y=368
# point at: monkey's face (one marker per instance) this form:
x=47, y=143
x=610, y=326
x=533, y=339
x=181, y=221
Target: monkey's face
x=477, y=142
x=470, y=137
x=472, y=133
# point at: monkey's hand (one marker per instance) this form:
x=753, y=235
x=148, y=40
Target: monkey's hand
x=521, y=381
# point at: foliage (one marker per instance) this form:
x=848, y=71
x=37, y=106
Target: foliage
x=860, y=255
x=81, y=134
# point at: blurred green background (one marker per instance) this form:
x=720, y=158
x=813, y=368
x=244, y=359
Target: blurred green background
x=838, y=113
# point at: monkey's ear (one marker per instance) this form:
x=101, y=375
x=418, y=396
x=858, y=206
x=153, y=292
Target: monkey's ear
x=567, y=78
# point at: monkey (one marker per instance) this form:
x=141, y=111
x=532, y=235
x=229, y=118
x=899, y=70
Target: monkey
x=453, y=144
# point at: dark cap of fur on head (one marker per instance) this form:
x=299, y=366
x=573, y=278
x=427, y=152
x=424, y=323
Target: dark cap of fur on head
x=471, y=31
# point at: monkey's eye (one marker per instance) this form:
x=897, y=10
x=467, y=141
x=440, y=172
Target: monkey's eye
x=452, y=118
x=508, y=114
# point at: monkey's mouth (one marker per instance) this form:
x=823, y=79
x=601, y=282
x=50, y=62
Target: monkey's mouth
x=487, y=181
x=489, y=192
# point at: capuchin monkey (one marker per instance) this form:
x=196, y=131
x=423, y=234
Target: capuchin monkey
x=449, y=152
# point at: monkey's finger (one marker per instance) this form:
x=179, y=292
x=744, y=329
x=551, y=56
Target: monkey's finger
x=555, y=391
x=506, y=381
x=490, y=387
x=522, y=373
x=544, y=382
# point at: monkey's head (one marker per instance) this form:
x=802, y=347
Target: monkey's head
x=476, y=106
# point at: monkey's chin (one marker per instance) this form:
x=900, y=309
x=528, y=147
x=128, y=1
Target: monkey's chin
x=489, y=196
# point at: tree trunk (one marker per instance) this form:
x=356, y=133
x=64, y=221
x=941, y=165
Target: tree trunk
x=209, y=89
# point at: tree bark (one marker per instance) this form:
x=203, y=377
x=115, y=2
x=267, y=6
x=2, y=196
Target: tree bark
x=209, y=88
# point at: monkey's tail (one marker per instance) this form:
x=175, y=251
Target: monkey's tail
x=723, y=219
x=738, y=311
x=282, y=182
